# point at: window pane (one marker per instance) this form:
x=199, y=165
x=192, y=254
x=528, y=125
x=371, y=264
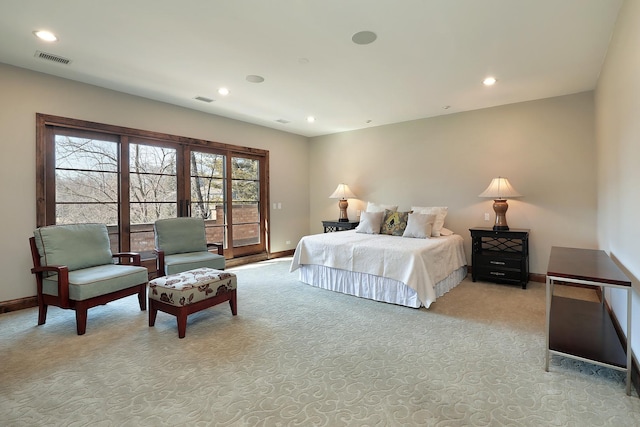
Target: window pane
x=152, y=183
x=86, y=154
x=152, y=159
x=246, y=234
x=142, y=239
x=86, y=186
x=106, y=213
x=245, y=191
x=244, y=168
x=207, y=165
x=246, y=219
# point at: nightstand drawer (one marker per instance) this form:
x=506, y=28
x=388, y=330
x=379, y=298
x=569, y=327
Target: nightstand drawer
x=499, y=274
x=500, y=261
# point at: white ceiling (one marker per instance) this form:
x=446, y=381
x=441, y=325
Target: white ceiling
x=429, y=54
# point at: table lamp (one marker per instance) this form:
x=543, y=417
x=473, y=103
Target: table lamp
x=343, y=192
x=499, y=190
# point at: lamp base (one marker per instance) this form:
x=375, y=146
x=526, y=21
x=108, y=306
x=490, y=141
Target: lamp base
x=500, y=207
x=343, y=205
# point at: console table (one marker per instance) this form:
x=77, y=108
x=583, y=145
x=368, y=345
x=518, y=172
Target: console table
x=583, y=330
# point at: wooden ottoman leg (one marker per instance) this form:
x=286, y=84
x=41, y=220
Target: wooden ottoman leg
x=153, y=312
x=182, y=322
x=233, y=302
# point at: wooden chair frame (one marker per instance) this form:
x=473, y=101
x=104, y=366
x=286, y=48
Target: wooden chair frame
x=62, y=300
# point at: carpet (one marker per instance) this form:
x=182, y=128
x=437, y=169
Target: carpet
x=297, y=355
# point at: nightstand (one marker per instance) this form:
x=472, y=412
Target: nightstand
x=331, y=226
x=500, y=256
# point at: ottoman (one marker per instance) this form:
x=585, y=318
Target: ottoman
x=184, y=293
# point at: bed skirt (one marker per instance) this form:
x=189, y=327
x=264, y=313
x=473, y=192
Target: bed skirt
x=374, y=287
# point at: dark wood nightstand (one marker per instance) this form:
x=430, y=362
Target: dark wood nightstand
x=331, y=226
x=500, y=256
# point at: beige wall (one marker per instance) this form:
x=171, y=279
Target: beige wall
x=25, y=93
x=546, y=148
x=618, y=142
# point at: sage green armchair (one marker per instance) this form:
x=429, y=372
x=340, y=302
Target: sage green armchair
x=75, y=269
x=181, y=245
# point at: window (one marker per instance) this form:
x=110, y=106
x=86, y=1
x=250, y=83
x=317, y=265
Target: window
x=129, y=178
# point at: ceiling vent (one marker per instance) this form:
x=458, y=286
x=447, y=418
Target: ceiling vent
x=283, y=121
x=51, y=57
x=203, y=99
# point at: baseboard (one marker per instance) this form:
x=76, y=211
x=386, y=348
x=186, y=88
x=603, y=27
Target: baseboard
x=635, y=368
x=535, y=277
x=18, y=304
x=281, y=254
x=249, y=259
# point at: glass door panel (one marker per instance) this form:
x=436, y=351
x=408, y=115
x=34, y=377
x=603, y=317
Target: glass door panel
x=207, y=188
x=246, y=200
x=153, y=191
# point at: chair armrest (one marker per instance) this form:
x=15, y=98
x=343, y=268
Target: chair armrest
x=159, y=262
x=133, y=257
x=219, y=246
x=63, y=281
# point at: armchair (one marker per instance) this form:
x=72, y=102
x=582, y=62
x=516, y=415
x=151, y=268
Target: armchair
x=75, y=269
x=181, y=246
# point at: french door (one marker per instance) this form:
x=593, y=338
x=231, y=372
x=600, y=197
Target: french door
x=128, y=179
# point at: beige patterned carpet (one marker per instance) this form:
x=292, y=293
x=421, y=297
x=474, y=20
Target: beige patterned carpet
x=300, y=356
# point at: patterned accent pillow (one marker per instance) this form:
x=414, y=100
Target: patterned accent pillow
x=394, y=223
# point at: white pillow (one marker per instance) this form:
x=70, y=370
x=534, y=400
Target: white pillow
x=374, y=207
x=445, y=232
x=439, y=211
x=419, y=225
x=370, y=222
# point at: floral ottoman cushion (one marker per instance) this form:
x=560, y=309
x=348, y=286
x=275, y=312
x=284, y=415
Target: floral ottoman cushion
x=191, y=286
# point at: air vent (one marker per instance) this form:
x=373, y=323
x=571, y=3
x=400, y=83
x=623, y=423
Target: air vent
x=52, y=57
x=283, y=121
x=203, y=99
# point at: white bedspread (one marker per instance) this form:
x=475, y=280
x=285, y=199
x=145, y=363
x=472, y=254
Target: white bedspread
x=418, y=263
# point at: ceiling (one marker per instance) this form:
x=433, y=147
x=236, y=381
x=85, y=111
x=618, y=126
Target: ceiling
x=429, y=58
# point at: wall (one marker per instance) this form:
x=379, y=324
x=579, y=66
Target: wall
x=618, y=142
x=25, y=93
x=546, y=148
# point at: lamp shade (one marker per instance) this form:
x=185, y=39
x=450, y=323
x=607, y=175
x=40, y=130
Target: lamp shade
x=343, y=192
x=500, y=189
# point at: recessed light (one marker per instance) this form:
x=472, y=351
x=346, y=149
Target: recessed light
x=489, y=81
x=311, y=119
x=223, y=91
x=254, y=78
x=47, y=36
x=364, y=37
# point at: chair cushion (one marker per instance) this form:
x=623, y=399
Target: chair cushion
x=180, y=235
x=94, y=281
x=76, y=245
x=182, y=262
x=191, y=286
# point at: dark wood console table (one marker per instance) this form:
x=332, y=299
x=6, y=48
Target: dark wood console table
x=583, y=330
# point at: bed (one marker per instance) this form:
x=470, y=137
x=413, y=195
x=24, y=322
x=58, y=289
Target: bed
x=392, y=269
